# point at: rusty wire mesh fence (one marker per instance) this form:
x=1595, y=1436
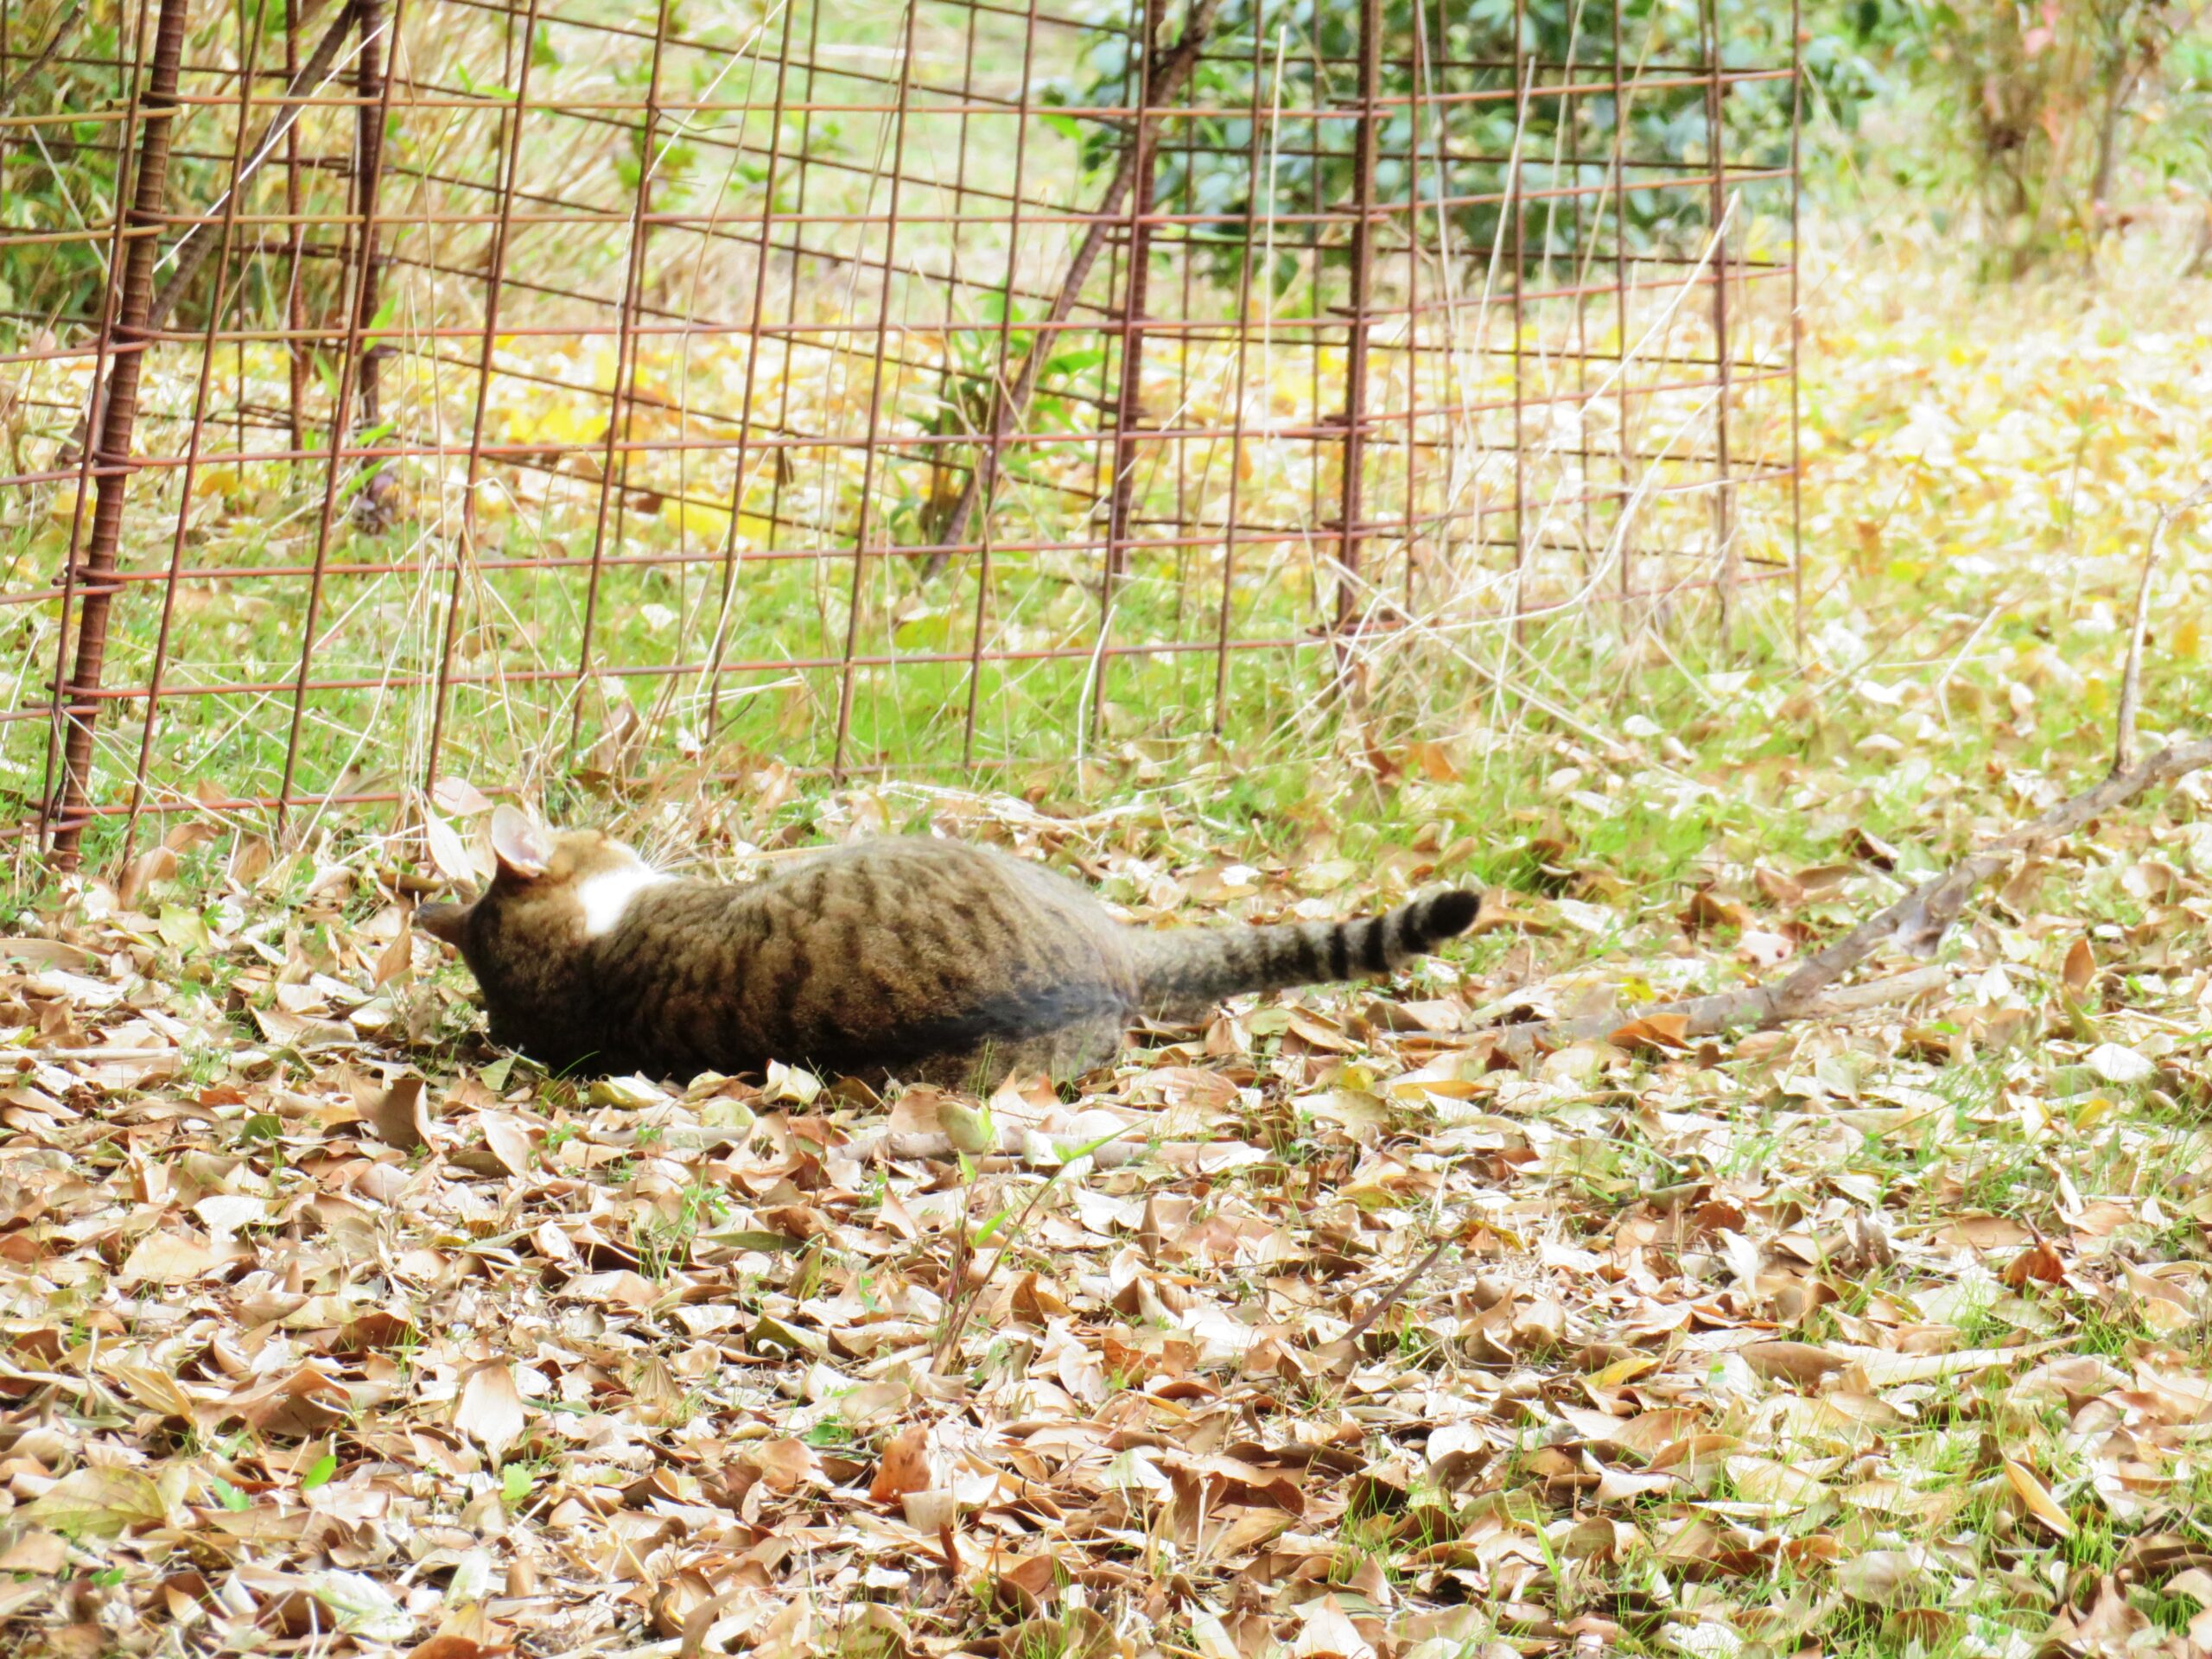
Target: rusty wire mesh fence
x=400, y=390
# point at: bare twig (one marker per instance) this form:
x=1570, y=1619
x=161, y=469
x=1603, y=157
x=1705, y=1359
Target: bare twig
x=192, y=250
x=966, y=1295
x=1392, y=1297
x=2131, y=680
x=1918, y=921
x=45, y=56
x=1878, y=993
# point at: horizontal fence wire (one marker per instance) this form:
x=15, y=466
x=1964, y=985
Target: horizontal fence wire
x=602, y=392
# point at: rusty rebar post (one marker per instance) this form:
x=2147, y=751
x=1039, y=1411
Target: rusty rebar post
x=368, y=163
x=112, y=466
x=79, y=455
x=250, y=51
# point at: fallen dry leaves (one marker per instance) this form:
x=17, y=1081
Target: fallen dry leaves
x=1323, y=1331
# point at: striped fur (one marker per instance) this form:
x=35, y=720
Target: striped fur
x=903, y=958
x=1185, y=968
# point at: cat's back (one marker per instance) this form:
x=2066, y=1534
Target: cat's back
x=891, y=871
x=852, y=950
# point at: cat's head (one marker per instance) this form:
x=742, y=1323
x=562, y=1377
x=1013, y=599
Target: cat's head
x=546, y=894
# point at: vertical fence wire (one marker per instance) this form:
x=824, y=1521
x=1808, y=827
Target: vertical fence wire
x=1032, y=374
x=360, y=269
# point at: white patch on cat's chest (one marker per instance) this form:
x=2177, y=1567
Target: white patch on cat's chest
x=605, y=898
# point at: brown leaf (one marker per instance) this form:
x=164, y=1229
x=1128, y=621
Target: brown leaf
x=396, y=957
x=1433, y=761
x=1869, y=848
x=249, y=860
x=1778, y=889
x=304, y=1032
x=2111, y=1627
x=167, y=1258
x=156, y=1389
x=467, y=1632
x=1886, y=1578
x=156, y=863
x=1658, y=1033
x=490, y=1410
x=1708, y=909
x=1797, y=1362
x=2081, y=969
x=399, y=1114
x=2038, y=1263
x=508, y=1139
x=2036, y=1497
x=449, y=852
x=301, y=1404
x=99, y=1502
x=35, y=1551
x=904, y=1467
x=1326, y=1633
x=1980, y=1232
x=48, y=953
x=460, y=797
x=619, y=1288
x=674, y=1602
x=786, y=1463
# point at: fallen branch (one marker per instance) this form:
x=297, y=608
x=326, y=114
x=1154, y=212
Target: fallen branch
x=2131, y=681
x=1918, y=922
x=46, y=55
x=192, y=248
x=1164, y=82
x=1392, y=1297
x=1847, y=999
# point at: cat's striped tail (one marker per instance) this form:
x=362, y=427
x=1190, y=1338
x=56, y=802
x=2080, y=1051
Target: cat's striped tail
x=1180, y=970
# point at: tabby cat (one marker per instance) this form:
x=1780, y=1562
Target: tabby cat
x=904, y=956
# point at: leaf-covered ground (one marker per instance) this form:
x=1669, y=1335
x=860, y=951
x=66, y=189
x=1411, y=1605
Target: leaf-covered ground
x=1322, y=1331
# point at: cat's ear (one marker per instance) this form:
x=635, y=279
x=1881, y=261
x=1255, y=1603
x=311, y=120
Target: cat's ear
x=445, y=922
x=523, y=848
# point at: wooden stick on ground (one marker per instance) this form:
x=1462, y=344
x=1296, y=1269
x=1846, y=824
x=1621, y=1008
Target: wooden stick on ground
x=1392, y=1297
x=1918, y=921
x=2131, y=681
